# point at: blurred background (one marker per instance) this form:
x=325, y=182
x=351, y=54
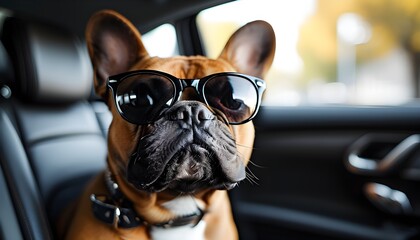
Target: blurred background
x=328, y=52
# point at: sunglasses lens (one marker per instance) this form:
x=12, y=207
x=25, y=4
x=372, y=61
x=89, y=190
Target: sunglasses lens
x=141, y=97
x=235, y=96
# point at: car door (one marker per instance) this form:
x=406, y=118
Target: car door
x=303, y=184
x=339, y=157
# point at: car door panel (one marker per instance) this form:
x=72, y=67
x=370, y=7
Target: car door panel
x=302, y=187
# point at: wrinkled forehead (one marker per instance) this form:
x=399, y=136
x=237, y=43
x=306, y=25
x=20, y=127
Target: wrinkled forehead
x=186, y=67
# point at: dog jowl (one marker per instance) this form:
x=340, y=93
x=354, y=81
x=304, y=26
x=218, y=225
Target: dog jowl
x=182, y=126
x=188, y=149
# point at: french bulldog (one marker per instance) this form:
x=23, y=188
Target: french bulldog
x=181, y=134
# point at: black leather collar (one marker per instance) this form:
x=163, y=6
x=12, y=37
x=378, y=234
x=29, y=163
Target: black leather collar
x=107, y=211
x=117, y=210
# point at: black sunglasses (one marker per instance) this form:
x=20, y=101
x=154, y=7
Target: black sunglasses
x=140, y=96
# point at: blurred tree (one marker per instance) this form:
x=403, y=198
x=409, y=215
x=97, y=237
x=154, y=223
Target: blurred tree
x=393, y=23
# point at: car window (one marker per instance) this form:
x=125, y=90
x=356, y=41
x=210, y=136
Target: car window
x=340, y=52
x=161, y=41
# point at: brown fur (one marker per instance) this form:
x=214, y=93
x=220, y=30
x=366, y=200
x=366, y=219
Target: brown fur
x=115, y=46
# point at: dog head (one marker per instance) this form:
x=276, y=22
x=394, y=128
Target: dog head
x=177, y=125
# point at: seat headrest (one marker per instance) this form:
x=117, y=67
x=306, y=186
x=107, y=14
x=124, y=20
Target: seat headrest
x=51, y=65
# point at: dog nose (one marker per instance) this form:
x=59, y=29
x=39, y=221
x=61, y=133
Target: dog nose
x=191, y=113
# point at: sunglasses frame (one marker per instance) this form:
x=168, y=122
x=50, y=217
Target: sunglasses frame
x=181, y=84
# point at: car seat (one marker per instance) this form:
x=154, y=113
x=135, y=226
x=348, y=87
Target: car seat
x=52, y=128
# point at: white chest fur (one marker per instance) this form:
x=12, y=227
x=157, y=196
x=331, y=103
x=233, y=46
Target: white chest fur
x=181, y=206
x=179, y=233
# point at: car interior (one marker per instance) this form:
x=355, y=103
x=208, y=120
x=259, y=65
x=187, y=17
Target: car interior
x=57, y=129
x=328, y=172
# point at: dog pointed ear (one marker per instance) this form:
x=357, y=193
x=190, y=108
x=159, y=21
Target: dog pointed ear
x=114, y=46
x=251, y=48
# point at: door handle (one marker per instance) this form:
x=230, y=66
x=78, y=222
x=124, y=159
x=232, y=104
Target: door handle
x=388, y=199
x=366, y=166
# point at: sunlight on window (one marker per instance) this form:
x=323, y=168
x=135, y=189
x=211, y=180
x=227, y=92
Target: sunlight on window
x=284, y=16
x=161, y=41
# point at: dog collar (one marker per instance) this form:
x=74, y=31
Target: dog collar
x=117, y=210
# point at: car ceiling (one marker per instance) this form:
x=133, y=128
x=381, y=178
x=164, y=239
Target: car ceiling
x=73, y=14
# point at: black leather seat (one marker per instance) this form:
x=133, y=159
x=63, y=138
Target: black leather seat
x=52, y=136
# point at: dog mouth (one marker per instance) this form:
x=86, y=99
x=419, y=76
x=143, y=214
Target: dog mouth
x=191, y=169
x=194, y=160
